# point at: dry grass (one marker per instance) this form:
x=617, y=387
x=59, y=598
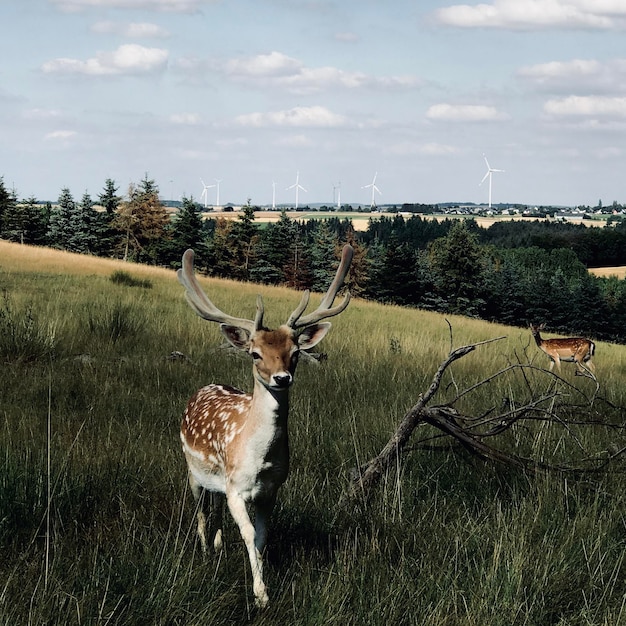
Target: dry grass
x=447, y=540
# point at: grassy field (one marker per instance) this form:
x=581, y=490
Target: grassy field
x=97, y=523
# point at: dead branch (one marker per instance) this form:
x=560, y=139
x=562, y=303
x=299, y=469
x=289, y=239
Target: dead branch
x=481, y=435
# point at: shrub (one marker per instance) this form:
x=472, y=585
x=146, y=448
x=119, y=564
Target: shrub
x=114, y=322
x=23, y=339
x=120, y=277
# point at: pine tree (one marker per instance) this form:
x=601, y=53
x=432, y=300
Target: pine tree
x=457, y=261
x=60, y=227
x=108, y=236
x=242, y=241
x=274, y=250
x=322, y=256
x=12, y=217
x=36, y=220
x=6, y=200
x=186, y=232
x=109, y=199
x=84, y=224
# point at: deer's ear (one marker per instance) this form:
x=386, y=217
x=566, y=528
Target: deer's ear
x=236, y=336
x=312, y=335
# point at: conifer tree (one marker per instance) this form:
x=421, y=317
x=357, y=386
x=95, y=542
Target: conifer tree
x=186, y=232
x=242, y=241
x=457, y=261
x=84, y=224
x=60, y=232
x=6, y=200
x=108, y=236
x=274, y=255
x=11, y=216
x=321, y=254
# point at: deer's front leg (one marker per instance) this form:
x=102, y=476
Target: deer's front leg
x=262, y=513
x=237, y=508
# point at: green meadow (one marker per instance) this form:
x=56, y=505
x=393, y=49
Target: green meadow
x=97, y=525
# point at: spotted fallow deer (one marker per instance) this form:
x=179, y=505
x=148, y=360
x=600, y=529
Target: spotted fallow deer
x=235, y=443
x=576, y=349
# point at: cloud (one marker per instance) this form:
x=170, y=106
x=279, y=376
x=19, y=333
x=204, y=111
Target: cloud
x=534, y=14
x=464, y=113
x=346, y=37
x=281, y=71
x=577, y=75
x=408, y=148
x=185, y=119
x=127, y=59
x=295, y=141
x=587, y=106
x=131, y=30
x=60, y=135
x=41, y=114
x=274, y=64
x=172, y=6
x=305, y=117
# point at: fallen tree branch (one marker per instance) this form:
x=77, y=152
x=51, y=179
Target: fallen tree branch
x=476, y=434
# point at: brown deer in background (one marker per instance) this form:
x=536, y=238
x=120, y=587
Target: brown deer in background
x=236, y=444
x=576, y=349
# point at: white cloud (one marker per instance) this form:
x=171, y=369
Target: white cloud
x=173, y=6
x=533, y=14
x=609, y=152
x=232, y=143
x=185, y=119
x=445, y=112
x=577, y=75
x=41, y=114
x=127, y=59
x=315, y=116
x=295, y=141
x=279, y=70
x=408, y=148
x=131, y=30
x=274, y=64
x=596, y=106
x=346, y=37
x=60, y=135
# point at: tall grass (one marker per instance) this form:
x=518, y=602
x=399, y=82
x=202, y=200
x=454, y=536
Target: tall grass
x=446, y=539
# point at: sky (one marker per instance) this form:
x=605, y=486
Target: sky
x=257, y=94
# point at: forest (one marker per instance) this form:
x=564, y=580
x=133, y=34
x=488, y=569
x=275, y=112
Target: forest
x=513, y=273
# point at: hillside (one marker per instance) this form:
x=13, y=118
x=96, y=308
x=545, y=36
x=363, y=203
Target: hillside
x=97, y=524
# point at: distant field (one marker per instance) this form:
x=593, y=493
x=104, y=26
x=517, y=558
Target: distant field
x=360, y=220
x=619, y=272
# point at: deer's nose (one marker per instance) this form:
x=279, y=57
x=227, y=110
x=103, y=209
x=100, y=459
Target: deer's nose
x=282, y=380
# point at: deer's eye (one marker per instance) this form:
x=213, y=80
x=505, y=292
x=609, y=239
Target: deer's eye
x=255, y=355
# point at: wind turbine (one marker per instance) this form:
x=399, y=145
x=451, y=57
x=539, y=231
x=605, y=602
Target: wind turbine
x=204, y=193
x=297, y=186
x=273, y=195
x=337, y=187
x=490, y=171
x=374, y=190
x=217, y=201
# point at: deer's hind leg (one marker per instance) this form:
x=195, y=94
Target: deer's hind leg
x=209, y=509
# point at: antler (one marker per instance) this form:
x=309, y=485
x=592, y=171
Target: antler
x=201, y=304
x=324, y=309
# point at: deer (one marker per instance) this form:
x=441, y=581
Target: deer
x=236, y=444
x=576, y=349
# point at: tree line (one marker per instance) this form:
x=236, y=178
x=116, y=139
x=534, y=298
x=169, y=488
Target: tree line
x=513, y=272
